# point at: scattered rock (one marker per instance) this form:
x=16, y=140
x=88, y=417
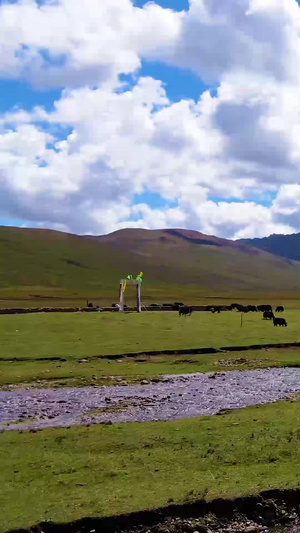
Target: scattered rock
x=174, y=397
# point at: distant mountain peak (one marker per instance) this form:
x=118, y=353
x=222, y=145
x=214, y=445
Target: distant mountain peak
x=287, y=246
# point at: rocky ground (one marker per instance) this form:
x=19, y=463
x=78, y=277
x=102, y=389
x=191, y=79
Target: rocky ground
x=173, y=397
x=252, y=515
x=212, y=524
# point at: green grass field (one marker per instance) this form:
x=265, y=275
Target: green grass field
x=77, y=335
x=108, y=372
x=65, y=474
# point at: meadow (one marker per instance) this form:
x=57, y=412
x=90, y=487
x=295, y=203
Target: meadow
x=65, y=474
x=61, y=475
x=77, y=335
x=101, y=372
x=31, y=345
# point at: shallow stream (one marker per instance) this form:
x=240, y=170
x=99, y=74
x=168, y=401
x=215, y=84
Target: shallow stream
x=177, y=396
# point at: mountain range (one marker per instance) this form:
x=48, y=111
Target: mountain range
x=287, y=246
x=176, y=263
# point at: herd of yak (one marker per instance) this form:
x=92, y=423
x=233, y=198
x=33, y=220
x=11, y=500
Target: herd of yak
x=267, y=311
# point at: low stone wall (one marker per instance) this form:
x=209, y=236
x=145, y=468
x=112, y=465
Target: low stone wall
x=24, y=310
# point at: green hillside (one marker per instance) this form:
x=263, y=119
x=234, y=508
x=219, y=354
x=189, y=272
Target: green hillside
x=42, y=263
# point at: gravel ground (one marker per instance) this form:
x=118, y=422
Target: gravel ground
x=180, y=396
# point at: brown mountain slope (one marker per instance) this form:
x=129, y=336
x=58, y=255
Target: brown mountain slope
x=174, y=262
x=138, y=237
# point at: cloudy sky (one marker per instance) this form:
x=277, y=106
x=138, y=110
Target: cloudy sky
x=173, y=113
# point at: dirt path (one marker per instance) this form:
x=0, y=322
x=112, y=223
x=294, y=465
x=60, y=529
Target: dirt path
x=184, y=396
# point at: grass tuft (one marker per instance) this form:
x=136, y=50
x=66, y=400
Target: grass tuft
x=66, y=474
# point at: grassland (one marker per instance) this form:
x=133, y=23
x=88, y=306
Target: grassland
x=28, y=339
x=77, y=335
x=106, y=372
x=65, y=474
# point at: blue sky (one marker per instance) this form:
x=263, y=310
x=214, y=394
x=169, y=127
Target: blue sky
x=19, y=94
x=176, y=5
x=179, y=84
x=218, y=158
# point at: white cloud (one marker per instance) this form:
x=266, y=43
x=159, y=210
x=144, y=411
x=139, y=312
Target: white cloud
x=229, y=220
x=121, y=143
x=288, y=200
x=70, y=42
x=286, y=207
x=220, y=37
x=213, y=162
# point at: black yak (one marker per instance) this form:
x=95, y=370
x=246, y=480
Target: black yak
x=185, y=311
x=279, y=321
x=268, y=315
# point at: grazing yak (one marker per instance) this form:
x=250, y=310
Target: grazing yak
x=264, y=308
x=279, y=309
x=185, y=311
x=279, y=321
x=268, y=315
x=216, y=309
x=238, y=307
x=243, y=309
x=177, y=305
